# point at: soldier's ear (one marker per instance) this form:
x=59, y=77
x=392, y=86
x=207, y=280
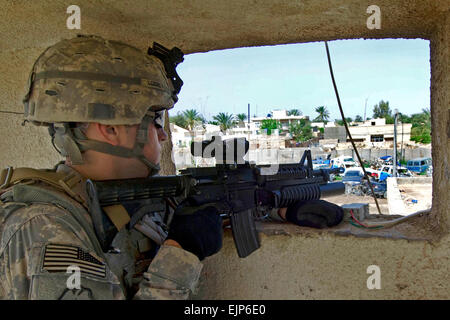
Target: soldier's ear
x=107, y=133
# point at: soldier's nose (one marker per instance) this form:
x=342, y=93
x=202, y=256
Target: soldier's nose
x=162, y=135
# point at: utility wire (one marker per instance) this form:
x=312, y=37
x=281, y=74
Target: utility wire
x=348, y=131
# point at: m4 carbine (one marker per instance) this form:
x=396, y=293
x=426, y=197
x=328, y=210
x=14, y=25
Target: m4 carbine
x=240, y=190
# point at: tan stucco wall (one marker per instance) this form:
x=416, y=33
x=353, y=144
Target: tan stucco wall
x=440, y=119
x=324, y=266
x=321, y=263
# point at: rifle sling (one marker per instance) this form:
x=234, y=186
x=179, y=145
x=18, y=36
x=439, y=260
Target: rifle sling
x=118, y=215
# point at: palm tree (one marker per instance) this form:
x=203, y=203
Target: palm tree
x=179, y=120
x=241, y=117
x=225, y=121
x=294, y=112
x=324, y=115
x=191, y=116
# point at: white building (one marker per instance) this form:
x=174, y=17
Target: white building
x=181, y=138
x=376, y=131
x=373, y=132
x=281, y=116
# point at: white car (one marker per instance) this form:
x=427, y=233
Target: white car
x=343, y=161
x=387, y=171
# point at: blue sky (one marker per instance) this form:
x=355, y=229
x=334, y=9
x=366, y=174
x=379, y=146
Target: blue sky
x=297, y=76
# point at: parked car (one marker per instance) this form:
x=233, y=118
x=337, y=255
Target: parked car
x=418, y=165
x=343, y=161
x=373, y=173
x=353, y=176
x=379, y=188
x=387, y=171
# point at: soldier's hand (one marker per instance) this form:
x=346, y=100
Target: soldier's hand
x=200, y=233
x=314, y=213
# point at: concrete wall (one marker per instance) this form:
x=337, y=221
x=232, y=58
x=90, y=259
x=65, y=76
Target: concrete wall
x=324, y=266
x=375, y=153
x=297, y=265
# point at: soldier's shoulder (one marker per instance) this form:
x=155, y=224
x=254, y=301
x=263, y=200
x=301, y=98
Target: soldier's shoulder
x=34, y=204
x=34, y=219
x=26, y=212
x=38, y=246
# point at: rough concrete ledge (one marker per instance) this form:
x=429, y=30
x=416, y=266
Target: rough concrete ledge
x=415, y=180
x=302, y=263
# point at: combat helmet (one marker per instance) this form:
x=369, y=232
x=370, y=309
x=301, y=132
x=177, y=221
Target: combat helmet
x=90, y=79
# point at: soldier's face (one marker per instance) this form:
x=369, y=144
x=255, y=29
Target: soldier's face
x=116, y=167
x=152, y=149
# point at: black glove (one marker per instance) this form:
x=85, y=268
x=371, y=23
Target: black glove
x=314, y=213
x=199, y=233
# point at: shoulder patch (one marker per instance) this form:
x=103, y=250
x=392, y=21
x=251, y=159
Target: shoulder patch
x=58, y=257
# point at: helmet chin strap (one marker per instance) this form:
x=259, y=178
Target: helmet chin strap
x=141, y=140
x=72, y=142
x=153, y=168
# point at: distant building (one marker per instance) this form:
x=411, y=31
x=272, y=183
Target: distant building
x=281, y=116
x=374, y=132
x=181, y=137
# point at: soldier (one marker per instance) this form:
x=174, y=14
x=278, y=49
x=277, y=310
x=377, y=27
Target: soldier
x=104, y=103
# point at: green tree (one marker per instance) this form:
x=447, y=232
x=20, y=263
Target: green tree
x=225, y=121
x=270, y=124
x=191, y=117
x=341, y=122
x=294, y=112
x=404, y=118
x=324, y=114
x=358, y=118
x=421, y=135
x=241, y=117
x=427, y=113
x=381, y=110
x=300, y=130
x=179, y=120
x=421, y=127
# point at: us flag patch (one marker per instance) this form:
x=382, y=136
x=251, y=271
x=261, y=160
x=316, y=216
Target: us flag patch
x=59, y=257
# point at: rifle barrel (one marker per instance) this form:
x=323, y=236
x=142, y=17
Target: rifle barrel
x=332, y=189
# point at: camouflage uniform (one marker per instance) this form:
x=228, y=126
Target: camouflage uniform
x=45, y=229
x=39, y=241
